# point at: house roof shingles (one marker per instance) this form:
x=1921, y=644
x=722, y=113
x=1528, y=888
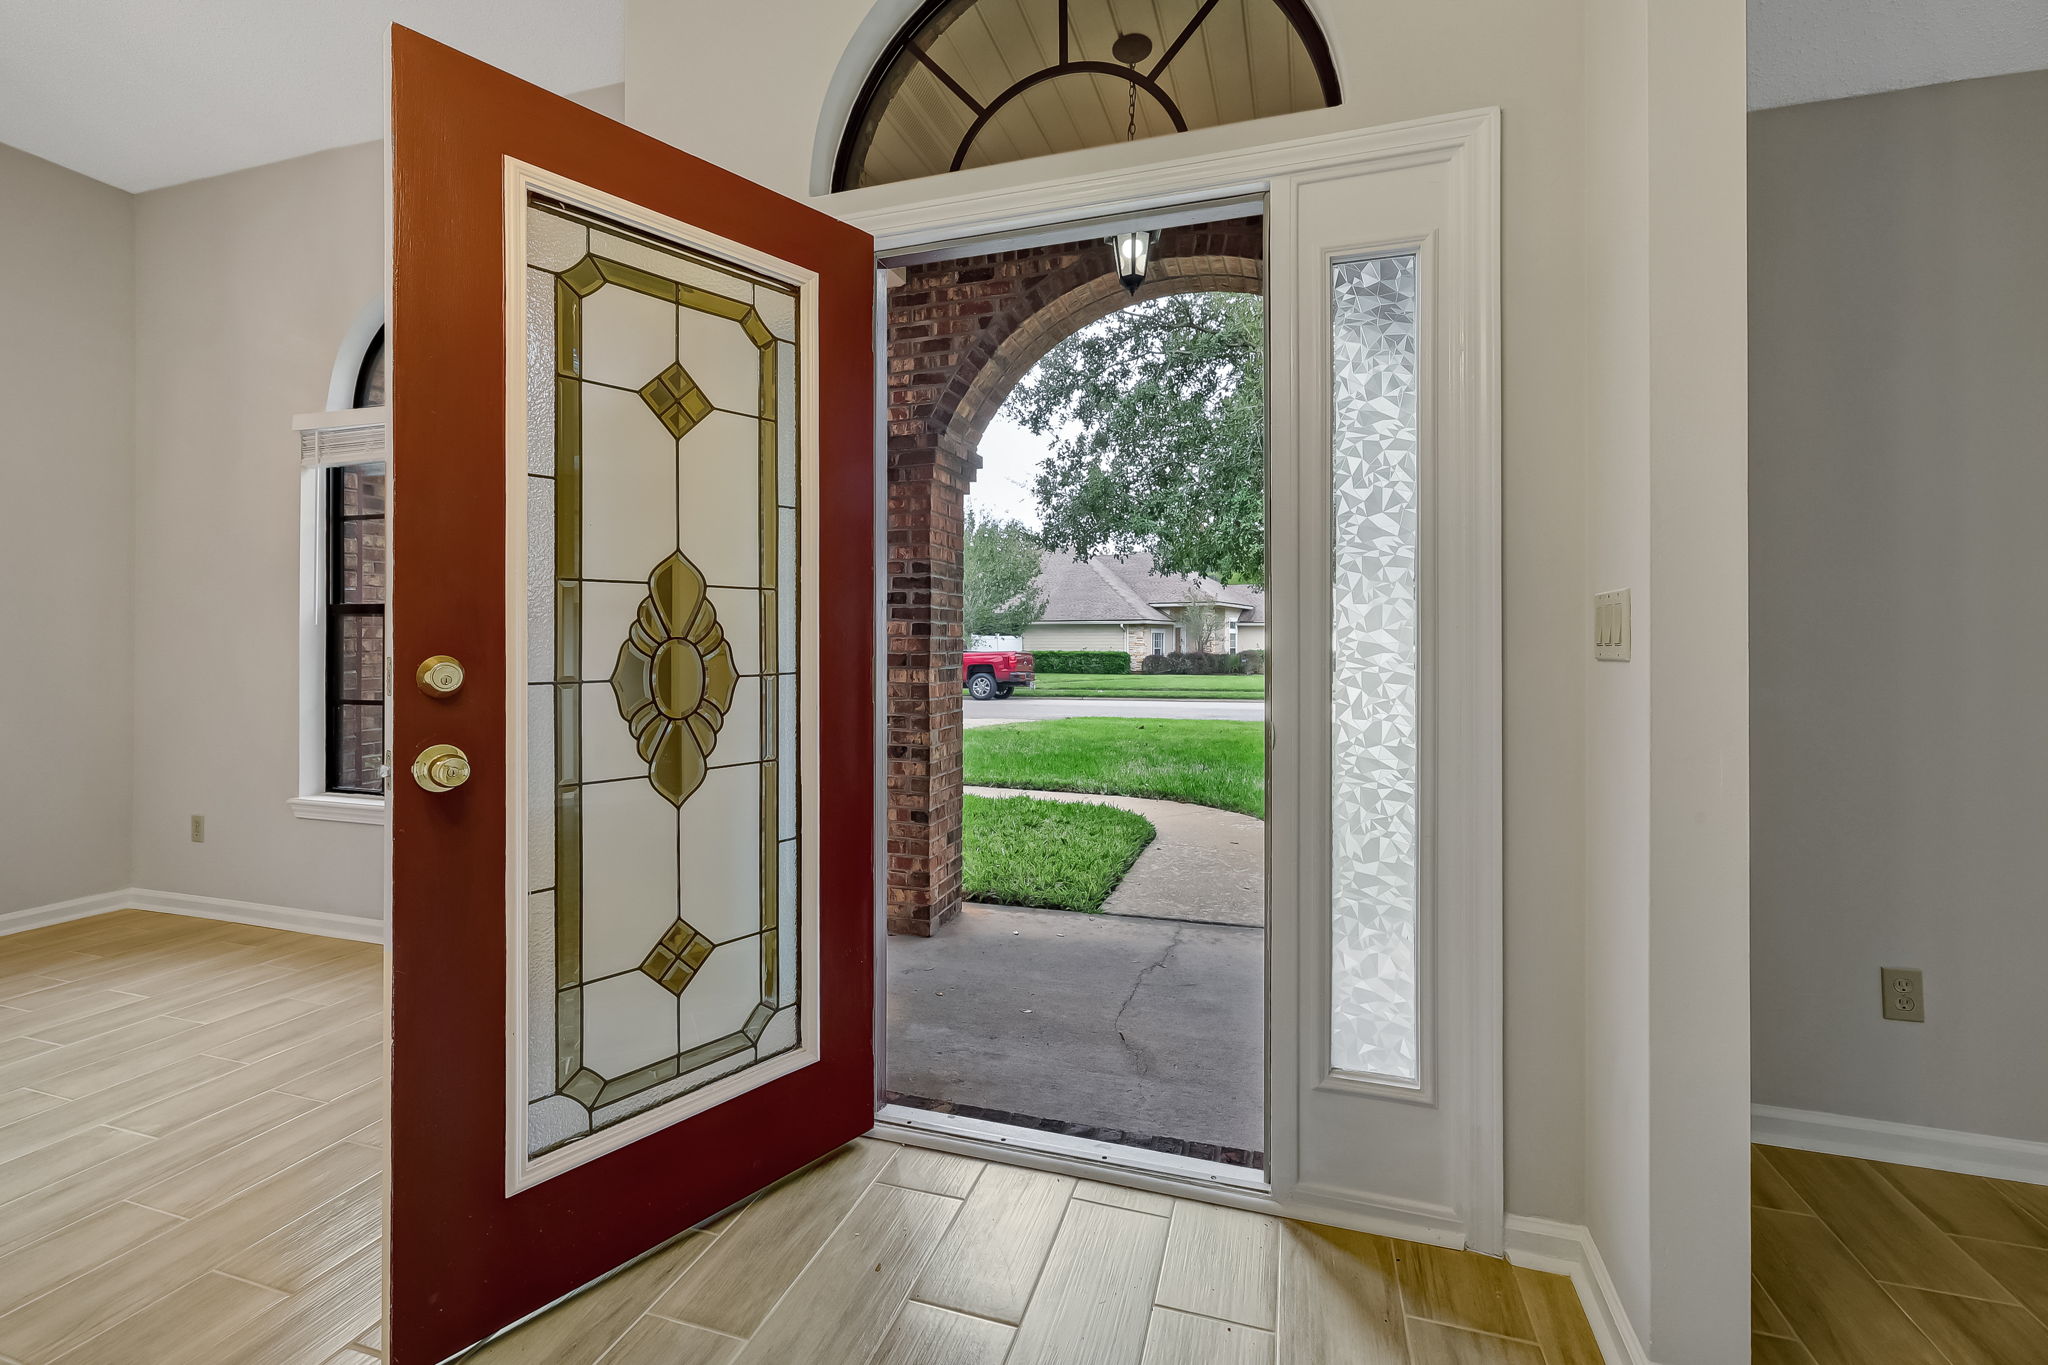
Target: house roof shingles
x=1126, y=591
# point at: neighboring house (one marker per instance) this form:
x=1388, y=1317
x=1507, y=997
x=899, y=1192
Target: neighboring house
x=1105, y=603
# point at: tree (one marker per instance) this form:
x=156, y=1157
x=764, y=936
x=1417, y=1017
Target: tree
x=1000, y=587
x=1201, y=621
x=1158, y=414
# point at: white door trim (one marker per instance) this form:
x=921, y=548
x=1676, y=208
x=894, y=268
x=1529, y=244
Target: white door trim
x=1464, y=768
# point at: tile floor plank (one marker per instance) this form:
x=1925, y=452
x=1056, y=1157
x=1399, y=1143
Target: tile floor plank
x=1558, y=1317
x=732, y=1288
x=1124, y=1197
x=658, y=1341
x=47, y=1326
x=844, y=1300
x=1177, y=1338
x=84, y=1188
x=1094, y=1300
x=299, y=1254
x=1222, y=1263
x=1836, y=1310
x=185, y=1327
x=916, y=1168
x=926, y=1335
x=1767, y=1188
x=2022, y=1270
x=1765, y=1350
x=74, y=1249
x=579, y=1331
x=1435, y=1343
x=1964, y=1205
x=1764, y=1316
x=1340, y=1298
x=1458, y=1289
x=309, y=1326
x=199, y=1185
x=991, y=1256
x=1973, y=1331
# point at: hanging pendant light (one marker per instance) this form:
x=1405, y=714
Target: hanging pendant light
x=1133, y=249
x=1133, y=256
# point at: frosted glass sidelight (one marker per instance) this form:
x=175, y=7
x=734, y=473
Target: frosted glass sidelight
x=1374, y=1014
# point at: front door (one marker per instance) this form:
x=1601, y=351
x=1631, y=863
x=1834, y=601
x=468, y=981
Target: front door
x=633, y=622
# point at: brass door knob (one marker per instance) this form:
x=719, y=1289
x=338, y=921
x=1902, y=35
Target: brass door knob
x=440, y=768
x=440, y=676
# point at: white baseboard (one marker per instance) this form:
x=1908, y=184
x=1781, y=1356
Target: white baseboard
x=325, y=923
x=1906, y=1144
x=61, y=912
x=1568, y=1249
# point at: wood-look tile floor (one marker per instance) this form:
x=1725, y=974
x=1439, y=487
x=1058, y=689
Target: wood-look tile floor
x=1859, y=1262
x=887, y=1255
x=190, y=1149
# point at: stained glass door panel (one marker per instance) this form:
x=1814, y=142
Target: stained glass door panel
x=632, y=956
x=665, y=919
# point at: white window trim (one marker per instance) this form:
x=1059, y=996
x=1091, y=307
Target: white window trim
x=327, y=440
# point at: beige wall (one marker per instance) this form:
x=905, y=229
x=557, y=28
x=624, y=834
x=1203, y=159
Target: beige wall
x=1899, y=288
x=66, y=370
x=245, y=286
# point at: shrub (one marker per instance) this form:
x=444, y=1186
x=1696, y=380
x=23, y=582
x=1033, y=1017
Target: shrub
x=1254, y=660
x=1197, y=663
x=1080, y=661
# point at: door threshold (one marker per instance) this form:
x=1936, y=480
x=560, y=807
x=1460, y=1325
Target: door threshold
x=1088, y=1158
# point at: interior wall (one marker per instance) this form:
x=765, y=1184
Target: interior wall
x=245, y=285
x=66, y=370
x=1667, y=731
x=1520, y=56
x=1900, y=389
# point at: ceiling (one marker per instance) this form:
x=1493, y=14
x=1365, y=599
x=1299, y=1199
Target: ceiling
x=146, y=93
x=1806, y=50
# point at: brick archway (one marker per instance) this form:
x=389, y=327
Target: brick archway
x=962, y=332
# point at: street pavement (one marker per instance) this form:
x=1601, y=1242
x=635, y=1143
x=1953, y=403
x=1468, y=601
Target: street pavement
x=1022, y=707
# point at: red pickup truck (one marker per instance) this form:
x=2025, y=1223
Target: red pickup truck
x=995, y=672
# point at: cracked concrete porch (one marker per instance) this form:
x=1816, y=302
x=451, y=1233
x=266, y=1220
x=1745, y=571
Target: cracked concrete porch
x=1142, y=1025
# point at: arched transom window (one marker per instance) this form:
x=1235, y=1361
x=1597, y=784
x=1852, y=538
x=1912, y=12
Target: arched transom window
x=979, y=82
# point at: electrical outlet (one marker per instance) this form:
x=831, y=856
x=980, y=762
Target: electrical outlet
x=1903, y=999
x=198, y=829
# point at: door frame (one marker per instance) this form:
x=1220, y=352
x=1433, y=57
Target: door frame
x=1463, y=767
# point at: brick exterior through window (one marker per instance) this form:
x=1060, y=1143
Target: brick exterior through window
x=961, y=334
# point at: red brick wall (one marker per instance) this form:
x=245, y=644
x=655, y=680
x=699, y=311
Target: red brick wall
x=961, y=333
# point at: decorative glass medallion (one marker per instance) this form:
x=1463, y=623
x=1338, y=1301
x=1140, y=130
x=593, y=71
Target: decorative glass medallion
x=674, y=680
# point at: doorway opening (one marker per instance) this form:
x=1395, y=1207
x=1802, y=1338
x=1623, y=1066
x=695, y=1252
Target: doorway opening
x=1076, y=851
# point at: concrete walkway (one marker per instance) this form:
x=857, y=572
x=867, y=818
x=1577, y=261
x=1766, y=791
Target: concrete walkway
x=1023, y=707
x=1100, y=1022
x=1206, y=865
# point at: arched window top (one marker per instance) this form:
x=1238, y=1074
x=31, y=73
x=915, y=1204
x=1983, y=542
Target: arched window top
x=370, y=374
x=980, y=82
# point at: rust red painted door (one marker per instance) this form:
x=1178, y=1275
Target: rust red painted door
x=633, y=451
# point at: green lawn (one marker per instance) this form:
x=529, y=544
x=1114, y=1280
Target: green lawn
x=1220, y=686
x=1218, y=763
x=1061, y=855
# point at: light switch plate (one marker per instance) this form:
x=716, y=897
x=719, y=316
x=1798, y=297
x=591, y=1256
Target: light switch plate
x=1611, y=626
x=1903, y=999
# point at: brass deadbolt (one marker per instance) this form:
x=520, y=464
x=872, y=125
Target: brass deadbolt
x=440, y=768
x=440, y=676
